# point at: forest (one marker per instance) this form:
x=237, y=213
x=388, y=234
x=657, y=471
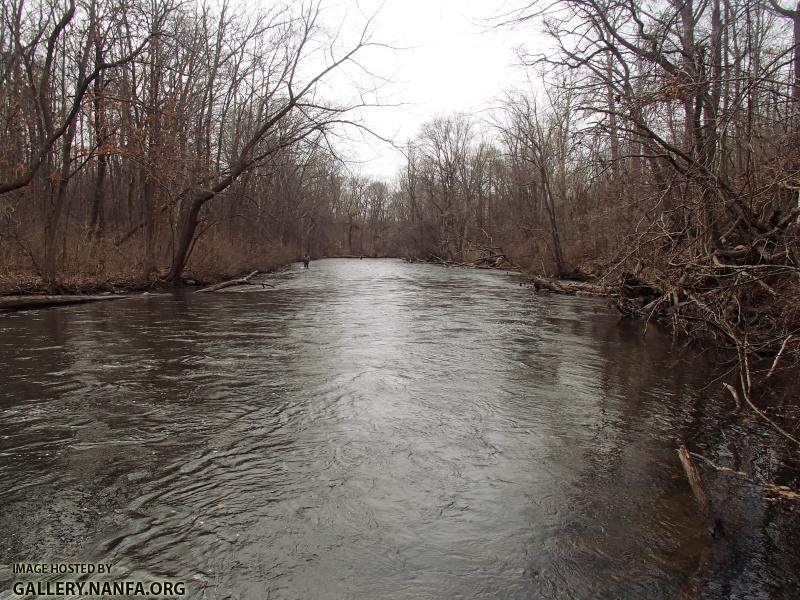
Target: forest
x=553, y=349
x=656, y=152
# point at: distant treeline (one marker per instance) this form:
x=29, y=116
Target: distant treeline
x=158, y=140
x=140, y=140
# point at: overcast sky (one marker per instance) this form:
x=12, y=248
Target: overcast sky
x=447, y=62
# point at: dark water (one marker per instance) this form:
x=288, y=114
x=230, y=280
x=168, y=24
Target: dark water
x=374, y=429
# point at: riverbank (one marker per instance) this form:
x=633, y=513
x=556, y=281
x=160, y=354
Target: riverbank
x=759, y=387
x=20, y=285
x=741, y=481
x=35, y=294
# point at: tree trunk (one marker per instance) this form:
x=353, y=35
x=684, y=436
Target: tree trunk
x=50, y=263
x=97, y=217
x=551, y=214
x=185, y=239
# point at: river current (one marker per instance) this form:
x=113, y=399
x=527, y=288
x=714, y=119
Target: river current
x=371, y=429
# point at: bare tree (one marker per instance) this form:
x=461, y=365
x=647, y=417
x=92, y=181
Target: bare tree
x=286, y=110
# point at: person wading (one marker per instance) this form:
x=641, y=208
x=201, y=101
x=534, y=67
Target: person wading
x=306, y=260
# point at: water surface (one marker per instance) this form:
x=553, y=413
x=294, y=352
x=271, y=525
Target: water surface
x=364, y=429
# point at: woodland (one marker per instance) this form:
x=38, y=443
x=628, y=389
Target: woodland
x=656, y=155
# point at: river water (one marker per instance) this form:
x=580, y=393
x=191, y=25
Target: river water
x=375, y=429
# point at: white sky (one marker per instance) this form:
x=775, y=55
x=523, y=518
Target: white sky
x=447, y=62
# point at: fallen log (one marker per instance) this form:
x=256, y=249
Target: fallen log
x=232, y=282
x=542, y=283
x=26, y=302
x=570, y=287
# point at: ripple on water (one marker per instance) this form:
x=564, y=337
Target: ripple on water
x=364, y=429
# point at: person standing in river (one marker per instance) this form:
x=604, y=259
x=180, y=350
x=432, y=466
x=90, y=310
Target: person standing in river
x=306, y=260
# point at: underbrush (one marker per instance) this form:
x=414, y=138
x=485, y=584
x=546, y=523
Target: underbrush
x=92, y=266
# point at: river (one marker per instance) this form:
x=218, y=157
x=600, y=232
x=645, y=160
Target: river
x=376, y=429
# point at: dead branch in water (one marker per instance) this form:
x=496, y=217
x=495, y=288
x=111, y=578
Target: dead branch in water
x=763, y=415
x=491, y=258
x=570, y=287
x=26, y=302
x=778, y=357
x=234, y=282
x=694, y=478
x=734, y=394
x=782, y=491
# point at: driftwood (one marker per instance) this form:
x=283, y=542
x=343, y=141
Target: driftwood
x=26, y=302
x=232, y=282
x=694, y=478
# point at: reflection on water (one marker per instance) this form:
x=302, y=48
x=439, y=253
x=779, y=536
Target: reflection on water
x=366, y=429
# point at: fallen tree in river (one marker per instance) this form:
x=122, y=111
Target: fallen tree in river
x=565, y=286
x=27, y=302
x=235, y=282
x=488, y=258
